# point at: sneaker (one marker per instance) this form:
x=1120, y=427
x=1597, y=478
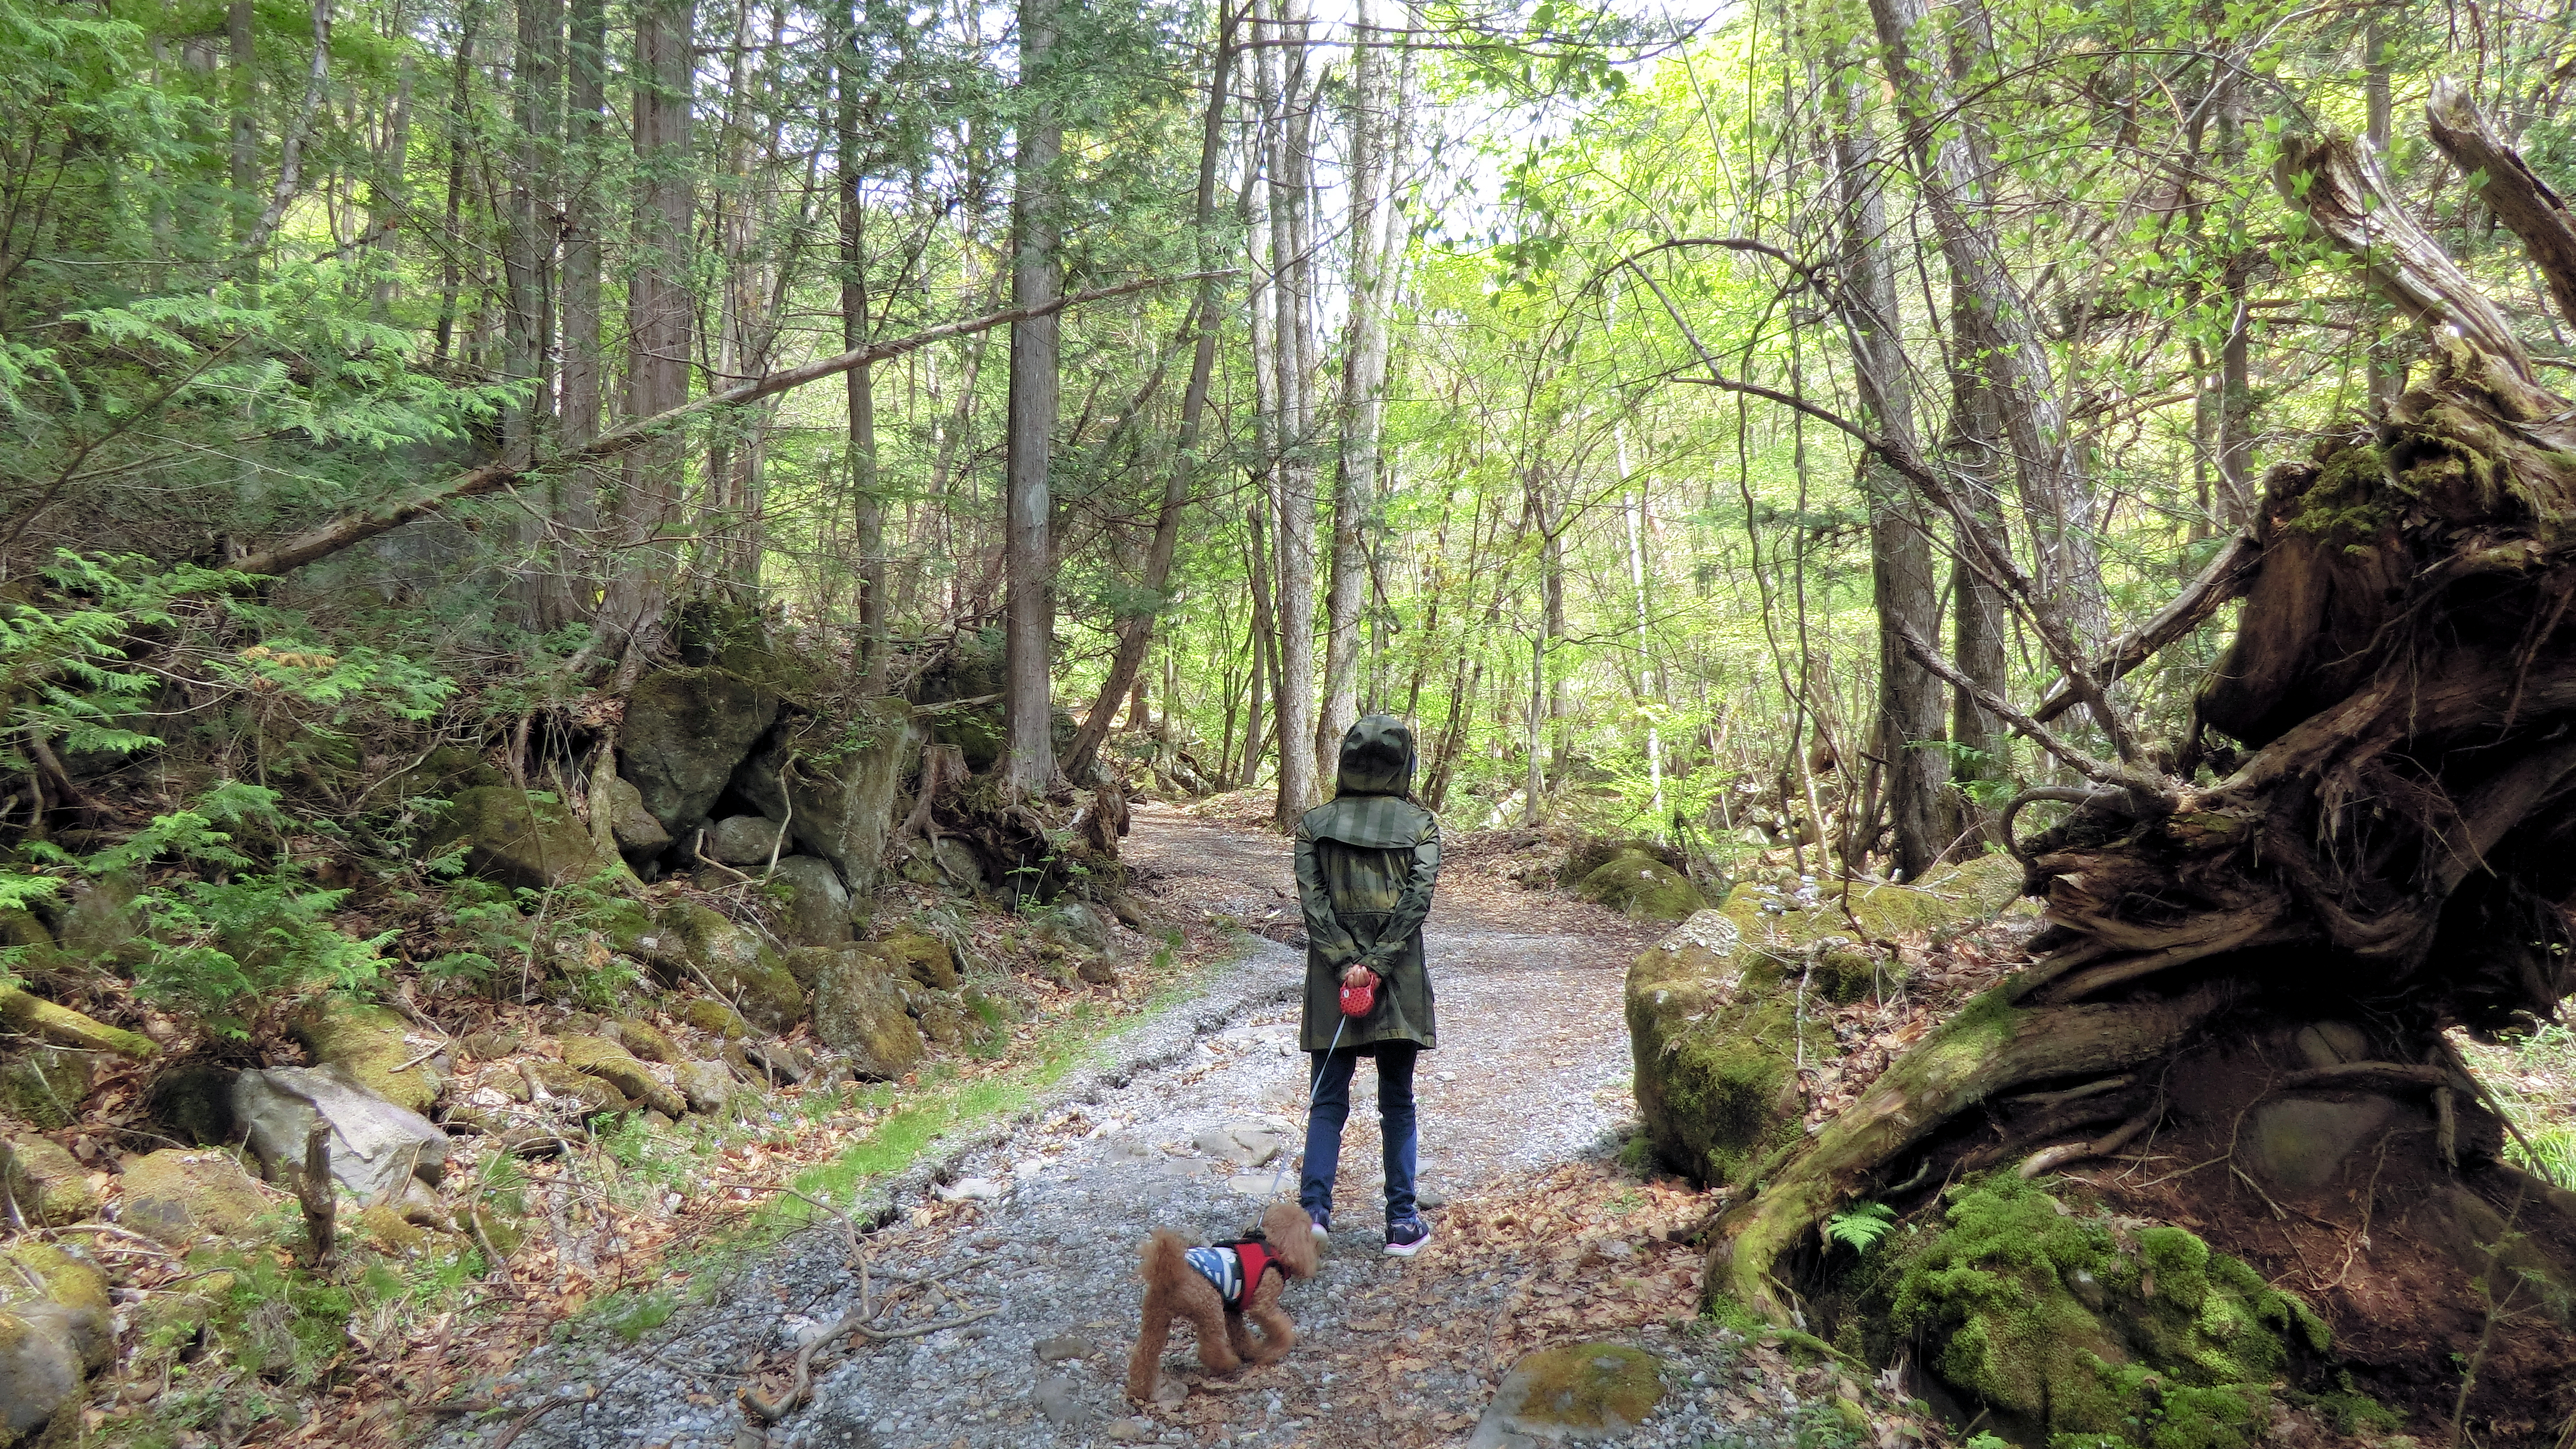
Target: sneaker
x=1323, y=1226
x=1405, y=1237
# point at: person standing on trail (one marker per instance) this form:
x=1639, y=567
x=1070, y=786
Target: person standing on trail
x=1366, y=862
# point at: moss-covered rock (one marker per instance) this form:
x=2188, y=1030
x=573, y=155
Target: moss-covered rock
x=915, y=953
x=178, y=1197
x=708, y=1086
x=44, y=1086
x=48, y=1184
x=516, y=837
x=638, y=835
x=648, y=1042
x=369, y=1042
x=1714, y=1030
x=2068, y=1322
x=1713, y=1009
x=381, y=1226
x=41, y=1276
x=737, y=964
x=816, y=908
x=685, y=732
x=843, y=790
x=611, y=1063
x=1643, y=886
x=1571, y=1393
x=589, y=1095
x=859, y=1010
x=712, y=1016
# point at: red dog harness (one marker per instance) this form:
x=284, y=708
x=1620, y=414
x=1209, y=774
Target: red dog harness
x=1235, y=1268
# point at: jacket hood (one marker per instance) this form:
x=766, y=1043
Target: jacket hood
x=1377, y=758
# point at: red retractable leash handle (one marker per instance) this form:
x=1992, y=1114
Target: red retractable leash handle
x=1360, y=1000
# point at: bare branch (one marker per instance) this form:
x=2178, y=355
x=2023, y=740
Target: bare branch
x=323, y=540
x=2227, y=577
x=2074, y=759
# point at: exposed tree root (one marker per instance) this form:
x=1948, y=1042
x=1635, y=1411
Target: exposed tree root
x=2224, y=962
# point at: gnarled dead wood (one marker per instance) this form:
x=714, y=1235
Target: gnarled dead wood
x=2518, y=197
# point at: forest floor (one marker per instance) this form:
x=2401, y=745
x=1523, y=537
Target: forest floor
x=1026, y=1242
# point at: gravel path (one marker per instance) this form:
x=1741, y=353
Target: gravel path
x=1183, y=1125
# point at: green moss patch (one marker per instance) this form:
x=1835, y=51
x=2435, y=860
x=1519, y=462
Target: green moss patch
x=2100, y=1331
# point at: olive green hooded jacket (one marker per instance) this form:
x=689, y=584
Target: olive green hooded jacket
x=1366, y=862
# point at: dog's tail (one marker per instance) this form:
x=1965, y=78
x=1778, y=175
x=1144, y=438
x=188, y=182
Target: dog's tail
x=1166, y=1253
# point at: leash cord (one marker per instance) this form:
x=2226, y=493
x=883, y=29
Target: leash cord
x=1312, y=1088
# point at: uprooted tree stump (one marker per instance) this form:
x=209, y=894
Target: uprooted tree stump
x=2255, y=977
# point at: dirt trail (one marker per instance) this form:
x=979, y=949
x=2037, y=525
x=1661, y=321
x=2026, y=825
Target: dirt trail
x=1040, y=1224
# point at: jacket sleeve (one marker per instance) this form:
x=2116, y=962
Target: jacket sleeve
x=1323, y=929
x=1412, y=905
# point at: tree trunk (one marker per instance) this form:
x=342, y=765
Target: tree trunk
x=1284, y=81
x=583, y=360
x=460, y=124
x=1948, y=154
x=1908, y=735
x=629, y=625
x=1136, y=631
x=241, y=75
x=867, y=507
x=527, y=264
x=1375, y=230
x=1037, y=277
x=1265, y=646
x=2235, y=368
x=2387, y=365
x=2391, y=861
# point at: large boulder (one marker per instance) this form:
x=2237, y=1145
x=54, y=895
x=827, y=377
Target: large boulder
x=639, y=836
x=372, y=1045
x=685, y=732
x=598, y=1057
x=1644, y=887
x=512, y=836
x=859, y=1011
x=744, y=840
x=179, y=1196
x=817, y=909
x=735, y=963
x=1714, y=1010
x=844, y=787
x=376, y=1146
x=48, y=1184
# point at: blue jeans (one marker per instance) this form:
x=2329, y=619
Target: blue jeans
x=1332, y=1108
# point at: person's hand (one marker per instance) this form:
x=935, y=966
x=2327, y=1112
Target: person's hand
x=1357, y=975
